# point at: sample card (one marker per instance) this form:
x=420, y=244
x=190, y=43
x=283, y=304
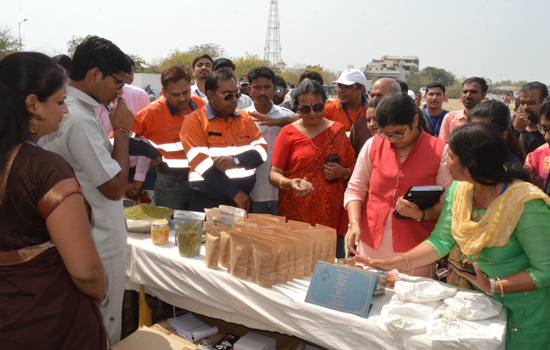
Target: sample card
x=342, y=288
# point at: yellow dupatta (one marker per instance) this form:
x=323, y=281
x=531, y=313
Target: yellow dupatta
x=499, y=221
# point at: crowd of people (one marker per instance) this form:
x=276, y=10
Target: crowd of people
x=77, y=137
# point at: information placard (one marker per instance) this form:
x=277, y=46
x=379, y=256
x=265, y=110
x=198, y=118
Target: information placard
x=342, y=288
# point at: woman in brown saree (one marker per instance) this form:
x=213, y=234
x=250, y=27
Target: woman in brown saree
x=301, y=154
x=52, y=278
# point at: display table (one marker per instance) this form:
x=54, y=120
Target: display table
x=188, y=284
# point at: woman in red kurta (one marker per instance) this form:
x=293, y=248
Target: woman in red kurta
x=300, y=153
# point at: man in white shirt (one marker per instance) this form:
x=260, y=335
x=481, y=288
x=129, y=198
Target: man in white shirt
x=202, y=67
x=97, y=75
x=264, y=196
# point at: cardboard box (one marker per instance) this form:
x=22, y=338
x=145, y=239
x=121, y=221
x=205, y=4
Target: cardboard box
x=155, y=337
x=255, y=341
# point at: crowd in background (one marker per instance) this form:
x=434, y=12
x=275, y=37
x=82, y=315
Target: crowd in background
x=77, y=137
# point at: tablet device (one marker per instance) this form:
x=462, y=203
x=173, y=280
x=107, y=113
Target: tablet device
x=456, y=264
x=423, y=196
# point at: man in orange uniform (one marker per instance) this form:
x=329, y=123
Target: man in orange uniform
x=351, y=103
x=224, y=147
x=160, y=123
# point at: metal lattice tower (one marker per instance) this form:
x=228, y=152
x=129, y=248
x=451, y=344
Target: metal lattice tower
x=272, y=51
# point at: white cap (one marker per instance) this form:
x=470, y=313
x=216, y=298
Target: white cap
x=352, y=76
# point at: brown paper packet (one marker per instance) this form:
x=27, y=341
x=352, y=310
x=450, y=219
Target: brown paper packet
x=225, y=245
x=263, y=263
x=212, y=246
x=298, y=224
x=291, y=255
x=332, y=234
x=281, y=249
x=326, y=237
x=272, y=218
x=309, y=247
x=317, y=243
x=246, y=224
x=298, y=245
x=238, y=262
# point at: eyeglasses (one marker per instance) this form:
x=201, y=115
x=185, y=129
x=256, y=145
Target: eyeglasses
x=530, y=103
x=318, y=108
x=542, y=129
x=279, y=90
x=229, y=95
x=120, y=82
x=398, y=135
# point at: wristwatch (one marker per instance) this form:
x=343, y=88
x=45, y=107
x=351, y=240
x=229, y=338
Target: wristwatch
x=236, y=160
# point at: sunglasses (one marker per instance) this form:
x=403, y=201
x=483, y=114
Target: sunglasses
x=229, y=95
x=279, y=90
x=120, y=82
x=318, y=108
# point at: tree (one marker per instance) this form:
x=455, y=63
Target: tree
x=186, y=57
x=328, y=76
x=8, y=43
x=455, y=89
x=439, y=75
x=72, y=44
x=213, y=50
x=292, y=75
x=141, y=66
x=428, y=75
x=244, y=64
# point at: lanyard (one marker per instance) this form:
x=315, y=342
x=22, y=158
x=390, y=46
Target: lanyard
x=31, y=140
x=504, y=188
x=431, y=121
x=358, y=114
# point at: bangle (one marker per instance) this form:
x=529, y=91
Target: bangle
x=423, y=216
x=407, y=260
x=281, y=183
x=492, y=291
x=121, y=128
x=351, y=222
x=501, y=289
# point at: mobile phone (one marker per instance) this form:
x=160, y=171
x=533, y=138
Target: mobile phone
x=457, y=264
x=333, y=158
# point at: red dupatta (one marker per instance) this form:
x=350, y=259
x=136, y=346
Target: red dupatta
x=324, y=204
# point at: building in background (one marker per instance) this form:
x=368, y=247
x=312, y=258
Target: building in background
x=395, y=67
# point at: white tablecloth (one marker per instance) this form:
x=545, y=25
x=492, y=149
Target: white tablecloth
x=188, y=284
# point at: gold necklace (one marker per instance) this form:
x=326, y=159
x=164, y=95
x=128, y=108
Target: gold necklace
x=306, y=135
x=476, y=215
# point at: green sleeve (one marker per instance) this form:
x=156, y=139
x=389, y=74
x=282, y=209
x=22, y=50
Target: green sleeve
x=533, y=233
x=441, y=238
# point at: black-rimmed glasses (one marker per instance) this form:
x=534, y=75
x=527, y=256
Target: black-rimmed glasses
x=229, y=95
x=530, y=103
x=120, y=82
x=397, y=135
x=542, y=129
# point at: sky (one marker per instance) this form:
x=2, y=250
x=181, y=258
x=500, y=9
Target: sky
x=495, y=39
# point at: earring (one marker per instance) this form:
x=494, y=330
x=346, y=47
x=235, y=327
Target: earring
x=33, y=125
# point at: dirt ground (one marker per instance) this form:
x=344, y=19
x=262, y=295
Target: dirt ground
x=455, y=104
